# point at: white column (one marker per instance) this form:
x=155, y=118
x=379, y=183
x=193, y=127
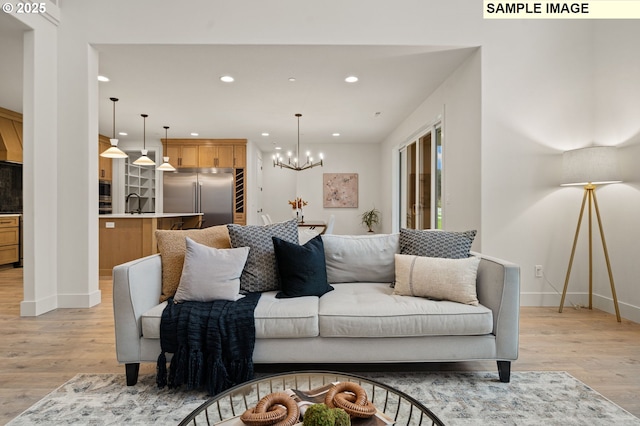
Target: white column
x=40, y=152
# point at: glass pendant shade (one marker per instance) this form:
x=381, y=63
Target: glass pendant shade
x=166, y=166
x=114, y=151
x=144, y=160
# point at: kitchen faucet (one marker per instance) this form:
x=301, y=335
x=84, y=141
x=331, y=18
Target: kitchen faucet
x=138, y=210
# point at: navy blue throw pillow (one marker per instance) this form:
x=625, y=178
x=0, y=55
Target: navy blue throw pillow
x=303, y=271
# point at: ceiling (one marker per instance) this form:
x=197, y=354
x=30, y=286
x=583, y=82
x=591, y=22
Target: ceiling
x=179, y=86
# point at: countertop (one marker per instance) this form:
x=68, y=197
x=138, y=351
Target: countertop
x=145, y=215
x=10, y=214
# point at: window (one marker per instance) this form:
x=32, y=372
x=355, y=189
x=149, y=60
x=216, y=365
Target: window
x=421, y=181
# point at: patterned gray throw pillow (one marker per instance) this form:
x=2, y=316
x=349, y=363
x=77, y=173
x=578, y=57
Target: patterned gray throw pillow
x=436, y=243
x=261, y=270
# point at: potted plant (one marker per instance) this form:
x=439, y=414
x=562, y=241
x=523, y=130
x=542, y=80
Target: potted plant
x=370, y=218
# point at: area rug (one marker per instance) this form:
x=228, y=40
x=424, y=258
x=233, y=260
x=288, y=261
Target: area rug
x=469, y=398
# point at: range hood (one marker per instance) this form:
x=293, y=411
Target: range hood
x=10, y=136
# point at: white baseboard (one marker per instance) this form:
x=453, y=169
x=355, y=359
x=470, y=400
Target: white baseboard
x=79, y=300
x=627, y=311
x=33, y=308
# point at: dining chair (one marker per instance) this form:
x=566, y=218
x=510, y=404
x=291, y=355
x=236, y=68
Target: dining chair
x=330, y=223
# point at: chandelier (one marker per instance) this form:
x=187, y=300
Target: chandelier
x=294, y=163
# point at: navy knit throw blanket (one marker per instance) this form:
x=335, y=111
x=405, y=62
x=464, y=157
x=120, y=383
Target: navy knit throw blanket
x=211, y=342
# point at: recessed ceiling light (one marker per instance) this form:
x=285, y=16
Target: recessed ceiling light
x=292, y=79
x=335, y=134
x=278, y=148
x=227, y=79
x=351, y=79
x=265, y=134
x=194, y=134
x=103, y=78
x=123, y=134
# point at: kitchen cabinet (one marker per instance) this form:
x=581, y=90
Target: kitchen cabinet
x=215, y=156
x=183, y=155
x=9, y=239
x=240, y=156
x=125, y=237
x=10, y=135
x=105, y=165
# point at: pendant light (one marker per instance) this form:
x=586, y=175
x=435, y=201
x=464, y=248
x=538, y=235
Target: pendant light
x=166, y=166
x=143, y=160
x=295, y=163
x=114, y=151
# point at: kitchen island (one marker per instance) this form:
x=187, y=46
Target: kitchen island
x=124, y=237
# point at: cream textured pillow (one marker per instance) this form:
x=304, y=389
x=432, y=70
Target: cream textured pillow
x=172, y=248
x=437, y=278
x=211, y=274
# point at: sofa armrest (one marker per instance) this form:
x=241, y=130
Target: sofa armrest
x=498, y=287
x=137, y=286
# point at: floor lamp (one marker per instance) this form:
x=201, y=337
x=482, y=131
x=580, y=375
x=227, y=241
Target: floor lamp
x=589, y=167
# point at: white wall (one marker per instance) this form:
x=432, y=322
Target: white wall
x=617, y=112
x=282, y=185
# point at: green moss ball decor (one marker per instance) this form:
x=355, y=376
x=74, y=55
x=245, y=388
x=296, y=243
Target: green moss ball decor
x=321, y=415
x=340, y=417
x=318, y=415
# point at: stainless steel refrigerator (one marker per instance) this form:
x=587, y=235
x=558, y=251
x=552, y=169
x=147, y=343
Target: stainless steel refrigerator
x=200, y=191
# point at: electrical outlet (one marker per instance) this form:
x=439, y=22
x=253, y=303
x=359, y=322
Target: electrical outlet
x=538, y=271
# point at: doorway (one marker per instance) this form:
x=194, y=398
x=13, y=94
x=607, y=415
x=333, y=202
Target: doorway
x=421, y=181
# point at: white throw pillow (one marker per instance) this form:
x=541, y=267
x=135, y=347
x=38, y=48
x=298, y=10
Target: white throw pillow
x=210, y=273
x=360, y=258
x=437, y=278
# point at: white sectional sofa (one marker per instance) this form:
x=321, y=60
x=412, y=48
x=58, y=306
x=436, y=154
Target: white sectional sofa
x=360, y=321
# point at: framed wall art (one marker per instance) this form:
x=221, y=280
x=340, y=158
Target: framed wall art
x=340, y=190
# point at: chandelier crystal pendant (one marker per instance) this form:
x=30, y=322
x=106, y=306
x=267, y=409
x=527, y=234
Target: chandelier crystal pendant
x=294, y=163
x=113, y=151
x=144, y=160
x=166, y=166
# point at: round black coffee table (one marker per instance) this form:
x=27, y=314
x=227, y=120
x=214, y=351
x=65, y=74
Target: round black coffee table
x=225, y=408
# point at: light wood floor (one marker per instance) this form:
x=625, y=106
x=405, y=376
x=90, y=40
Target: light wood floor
x=39, y=354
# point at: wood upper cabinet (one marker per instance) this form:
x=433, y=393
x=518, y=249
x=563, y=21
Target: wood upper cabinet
x=183, y=155
x=104, y=164
x=240, y=156
x=215, y=156
x=207, y=153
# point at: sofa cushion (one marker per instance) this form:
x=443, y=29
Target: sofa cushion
x=372, y=310
x=436, y=243
x=274, y=318
x=261, y=271
x=211, y=274
x=360, y=258
x=286, y=318
x=150, y=321
x=436, y=278
x=172, y=248
x=302, y=268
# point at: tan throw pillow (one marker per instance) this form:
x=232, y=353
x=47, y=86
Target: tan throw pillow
x=437, y=278
x=172, y=247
